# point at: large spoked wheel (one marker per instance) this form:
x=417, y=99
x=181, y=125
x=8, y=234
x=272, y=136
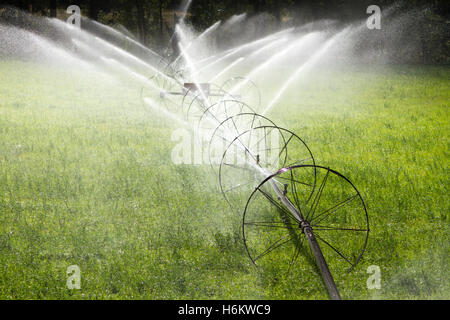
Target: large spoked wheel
x=336, y=213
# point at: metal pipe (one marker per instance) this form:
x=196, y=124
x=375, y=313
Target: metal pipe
x=318, y=255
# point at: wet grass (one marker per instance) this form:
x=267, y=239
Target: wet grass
x=86, y=179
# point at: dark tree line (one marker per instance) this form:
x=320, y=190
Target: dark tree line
x=151, y=21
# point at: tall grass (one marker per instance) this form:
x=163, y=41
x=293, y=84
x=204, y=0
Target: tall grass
x=86, y=178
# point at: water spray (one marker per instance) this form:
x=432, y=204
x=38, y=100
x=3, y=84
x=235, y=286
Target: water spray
x=300, y=196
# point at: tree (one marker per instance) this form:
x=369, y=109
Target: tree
x=53, y=7
x=94, y=9
x=141, y=21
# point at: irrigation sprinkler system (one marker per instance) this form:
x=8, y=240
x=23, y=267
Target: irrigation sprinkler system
x=269, y=174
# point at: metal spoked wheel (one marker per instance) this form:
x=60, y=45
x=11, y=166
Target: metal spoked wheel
x=335, y=213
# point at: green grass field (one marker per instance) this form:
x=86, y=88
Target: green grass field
x=86, y=179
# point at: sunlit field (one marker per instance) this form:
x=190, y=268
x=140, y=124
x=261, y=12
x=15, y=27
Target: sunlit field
x=87, y=179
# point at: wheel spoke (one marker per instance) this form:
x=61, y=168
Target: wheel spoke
x=278, y=205
x=223, y=138
x=294, y=194
x=238, y=186
x=299, y=182
x=267, y=149
x=334, y=249
x=238, y=139
x=237, y=167
x=285, y=145
x=264, y=137
x=250, y=137
x=296, y=253
x=269, y=224
x=299, y=162
x=274, y=246
x=326, y=228
x=317, y=198
x=333, y=209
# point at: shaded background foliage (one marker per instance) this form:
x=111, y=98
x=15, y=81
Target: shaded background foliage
x=151, y=21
